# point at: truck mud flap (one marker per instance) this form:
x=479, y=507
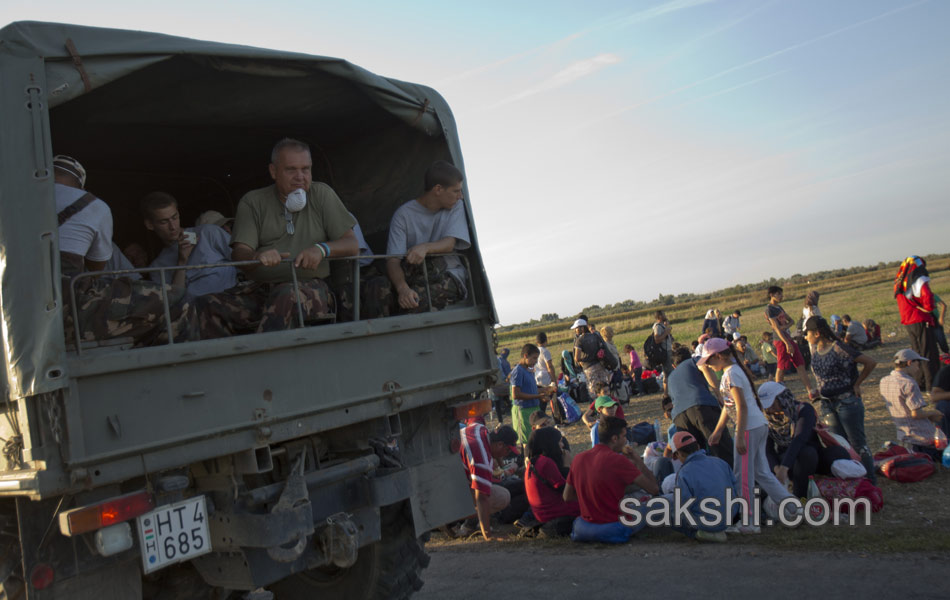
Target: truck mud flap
x=440, y=493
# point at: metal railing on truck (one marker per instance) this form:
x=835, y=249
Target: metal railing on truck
x=355, y=260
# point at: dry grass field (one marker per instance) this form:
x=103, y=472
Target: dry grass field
x=915, y=515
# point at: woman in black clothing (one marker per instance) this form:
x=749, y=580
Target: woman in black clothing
x=794, y=449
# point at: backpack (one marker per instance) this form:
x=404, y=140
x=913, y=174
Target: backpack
x=589, y=345
x=606, y=357
x=902, y=465
x=655, y=353
x=571, y=412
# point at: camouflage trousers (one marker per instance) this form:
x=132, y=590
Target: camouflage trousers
x=123, y=307
x=596, y=375
x=444, y=287
x=370, y=281
x=258, y=307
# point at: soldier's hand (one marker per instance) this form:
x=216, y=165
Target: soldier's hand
x=416, y=254
x=309, y=258
x=185, y=248
x=408, y=298
x=270, y=258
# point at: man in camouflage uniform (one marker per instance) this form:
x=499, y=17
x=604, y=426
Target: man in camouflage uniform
x=107, y=307
x=295, y=217
x=434, y=223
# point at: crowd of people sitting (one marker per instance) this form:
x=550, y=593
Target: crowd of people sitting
x=281, y=237
x=729, y=433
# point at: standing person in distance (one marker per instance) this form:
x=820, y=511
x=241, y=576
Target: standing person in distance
x=834, y=365
x=586, y=345
x=915, y=300
x=663, y=336
x=787, y=352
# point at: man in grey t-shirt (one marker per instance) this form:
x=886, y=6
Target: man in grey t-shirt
x=434, y=223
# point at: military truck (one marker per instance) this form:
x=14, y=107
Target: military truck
x=310, y=462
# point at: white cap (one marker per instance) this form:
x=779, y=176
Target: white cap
x=579, y=323
x=768, y=392
x=907, y=355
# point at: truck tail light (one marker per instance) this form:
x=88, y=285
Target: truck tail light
x=472, y=409
x=41, y=576
x=109, y=512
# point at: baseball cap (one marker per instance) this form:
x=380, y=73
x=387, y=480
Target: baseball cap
x=71, y=166
x=506, y=435
x=768, y=392
x=212, y=217
x=604, y=401
x=712, y=346
x=680, y=439
x=907, y=355
x=579, y=323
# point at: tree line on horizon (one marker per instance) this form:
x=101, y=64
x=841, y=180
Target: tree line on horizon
x=598, y=312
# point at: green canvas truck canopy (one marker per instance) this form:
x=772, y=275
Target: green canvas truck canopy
x=144, y=111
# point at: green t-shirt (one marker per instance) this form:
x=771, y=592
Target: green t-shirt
x=260, y=224
x=768, y=352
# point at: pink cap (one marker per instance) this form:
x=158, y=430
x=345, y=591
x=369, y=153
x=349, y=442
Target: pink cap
x=712, y=346
x=680, y=439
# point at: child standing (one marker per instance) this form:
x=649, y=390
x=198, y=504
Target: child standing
x=525, y=398
x=787, y=353
x=768, y=353
x=750, y=463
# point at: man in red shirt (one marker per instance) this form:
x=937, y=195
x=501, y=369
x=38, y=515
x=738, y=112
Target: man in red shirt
x=598, y=480
x=915, y=300
x=478, y=449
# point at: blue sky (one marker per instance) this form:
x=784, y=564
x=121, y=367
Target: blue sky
x=620, y=150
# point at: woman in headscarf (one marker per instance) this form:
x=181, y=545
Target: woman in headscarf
x=794, y=448
x=915, y=300
x=711, y=322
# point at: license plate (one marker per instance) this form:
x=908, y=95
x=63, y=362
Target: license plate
x=174, y=533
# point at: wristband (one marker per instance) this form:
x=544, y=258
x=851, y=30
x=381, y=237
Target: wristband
x=322, y=251
x=326, y=249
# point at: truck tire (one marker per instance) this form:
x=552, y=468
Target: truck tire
x=11, y=565
x=387, y=570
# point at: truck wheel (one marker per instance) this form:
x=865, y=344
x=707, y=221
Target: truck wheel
x=386, y=570
x=11, y=565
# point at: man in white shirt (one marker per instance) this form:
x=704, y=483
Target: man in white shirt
x=434, y=223
x=85, y=236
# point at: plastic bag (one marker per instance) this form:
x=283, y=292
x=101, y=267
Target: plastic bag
x=846, y=468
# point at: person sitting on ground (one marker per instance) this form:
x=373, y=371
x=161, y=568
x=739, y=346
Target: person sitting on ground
x=525, y=395
x=545, y=470
x=479, y=450
x=702, y=477
x=854, y=333
x=593, y=413
x=940, y=395
x=767, y=349
x=598, y=480
x=696, y=406
x=748, y=357
x=837, y=326
x=540, y=420
x=912, y=418
x=731, y=325
x=115, y=306
x=873, y=331
x=795, y=451
x=201, y=245
x=296, y=218
x=434, y=223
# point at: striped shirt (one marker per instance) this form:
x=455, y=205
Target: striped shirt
x=476, y=455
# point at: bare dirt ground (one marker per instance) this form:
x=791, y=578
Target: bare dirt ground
x=680, y=570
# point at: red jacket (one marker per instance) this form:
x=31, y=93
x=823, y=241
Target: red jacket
x=911, y=308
